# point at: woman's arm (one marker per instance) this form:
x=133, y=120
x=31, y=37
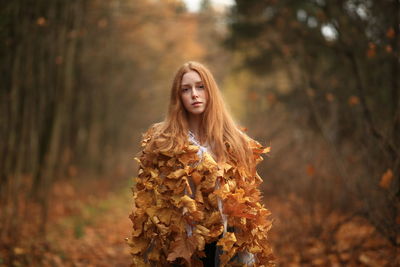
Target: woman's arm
x=247, y=215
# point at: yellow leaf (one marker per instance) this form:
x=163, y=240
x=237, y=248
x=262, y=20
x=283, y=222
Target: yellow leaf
x=189, y=203
x=208, y=162
x=19, y=251
x=201, y=230
x=216, y=231
x=227, y=241
x=188, y=158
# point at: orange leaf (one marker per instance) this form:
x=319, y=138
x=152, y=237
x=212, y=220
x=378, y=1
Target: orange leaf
x=196, y=177
x=371, y=52
x=386, y=179
x=310, y=170
x=353, y=100
x=389, y=49
x=390, y=33
x=41, y=21
x=330, y=97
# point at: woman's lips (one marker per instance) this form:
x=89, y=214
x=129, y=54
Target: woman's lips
x=197, y=103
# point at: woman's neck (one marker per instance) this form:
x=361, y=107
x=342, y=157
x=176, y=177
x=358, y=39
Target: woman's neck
x=194, y=124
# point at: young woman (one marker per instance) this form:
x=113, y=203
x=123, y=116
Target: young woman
x=196, y=196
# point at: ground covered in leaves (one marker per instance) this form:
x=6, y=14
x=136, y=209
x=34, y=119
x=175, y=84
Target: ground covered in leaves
x=88, y=229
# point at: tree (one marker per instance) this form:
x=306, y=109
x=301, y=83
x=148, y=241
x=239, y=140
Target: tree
x=342, y=61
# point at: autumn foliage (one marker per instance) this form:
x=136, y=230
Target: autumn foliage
x=163, y=208
x=81, y=80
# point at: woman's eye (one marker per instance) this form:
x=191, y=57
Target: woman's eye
x=185, y=90
x=201, y=86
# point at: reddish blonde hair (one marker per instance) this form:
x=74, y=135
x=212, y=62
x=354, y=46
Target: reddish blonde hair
x=217, y=127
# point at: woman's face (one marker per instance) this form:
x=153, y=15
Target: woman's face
x=193, y=93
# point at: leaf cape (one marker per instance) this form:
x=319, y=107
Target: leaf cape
x=165, y=204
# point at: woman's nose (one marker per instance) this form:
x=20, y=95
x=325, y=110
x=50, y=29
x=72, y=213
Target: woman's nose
x=194, y=93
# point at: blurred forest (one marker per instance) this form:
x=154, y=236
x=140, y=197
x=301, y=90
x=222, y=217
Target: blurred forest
x=316, y=80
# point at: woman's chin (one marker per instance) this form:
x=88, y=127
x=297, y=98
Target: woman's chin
x=196, y=112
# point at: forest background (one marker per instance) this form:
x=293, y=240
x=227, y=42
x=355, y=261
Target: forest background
x=317, y=80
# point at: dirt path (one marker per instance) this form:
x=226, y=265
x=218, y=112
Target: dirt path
x=95, y=237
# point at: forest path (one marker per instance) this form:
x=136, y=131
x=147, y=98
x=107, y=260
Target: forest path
x=95, y=236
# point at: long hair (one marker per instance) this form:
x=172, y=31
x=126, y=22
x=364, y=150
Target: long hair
x=217, y=127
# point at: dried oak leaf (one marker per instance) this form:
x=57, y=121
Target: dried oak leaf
x=201, y=230
x=196, y=177
x=138, y=261
x=216, y=231
x=386, y=179
x=138, y=245
x=208, y=183
x=138, y=217
x=207, y=163
x=227, y=241
x=199, y=195
x=199, y=242
x=189, y=158
x=182, y=247
x=188, y=203
x=144, y=199
x=213, y=218
x=177, y=174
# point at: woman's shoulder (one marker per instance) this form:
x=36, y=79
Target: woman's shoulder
x=152, y=132
x=246, y=137
x=253, y=144
x=153, y=128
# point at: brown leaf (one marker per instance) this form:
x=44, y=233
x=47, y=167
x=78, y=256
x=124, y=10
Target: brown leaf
x=177, y=174
x=188, y=158
x=386, y=179
x=182, y=247
x=138, y=245
x=196, y=177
